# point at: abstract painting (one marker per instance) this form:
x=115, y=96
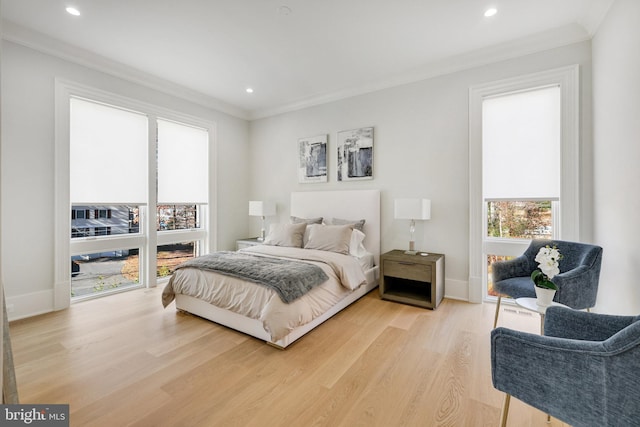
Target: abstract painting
x=312, y=159
x=355, y=154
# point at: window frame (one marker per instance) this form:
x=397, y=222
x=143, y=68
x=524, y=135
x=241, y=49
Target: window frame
x=566, y=210
x=148, y=239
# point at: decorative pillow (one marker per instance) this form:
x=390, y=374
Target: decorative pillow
x=334, y=238
x=285, y=235
x=297, y=220
x=358, y=225
x=356, y=247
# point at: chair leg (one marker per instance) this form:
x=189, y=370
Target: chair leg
x=495, y=320
x=505, y=410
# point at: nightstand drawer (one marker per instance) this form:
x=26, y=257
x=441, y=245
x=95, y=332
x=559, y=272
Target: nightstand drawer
x=407, y=270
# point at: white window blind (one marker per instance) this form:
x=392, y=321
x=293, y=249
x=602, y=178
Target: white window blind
x=521, y=145
x=108, y=154
x=183, y=159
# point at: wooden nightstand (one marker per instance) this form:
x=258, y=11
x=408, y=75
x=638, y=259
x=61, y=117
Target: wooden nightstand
x=245, y=243
x=412, y=279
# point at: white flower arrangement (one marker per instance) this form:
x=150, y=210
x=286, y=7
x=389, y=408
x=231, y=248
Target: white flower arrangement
x=548, y=263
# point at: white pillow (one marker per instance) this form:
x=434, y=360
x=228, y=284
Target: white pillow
x=333, y=238
x=285, y=235
x=356, y=247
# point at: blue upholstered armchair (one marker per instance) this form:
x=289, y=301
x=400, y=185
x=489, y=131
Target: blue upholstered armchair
x=585, y=370
x=577, y=281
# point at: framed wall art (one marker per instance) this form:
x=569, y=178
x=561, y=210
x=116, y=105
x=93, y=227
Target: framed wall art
x=355, y=154
x=312, y=159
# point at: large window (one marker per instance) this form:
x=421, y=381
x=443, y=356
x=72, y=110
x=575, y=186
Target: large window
x=108, y=148
x=183, y=188
x=520, y=169
x=138, y=178
x=523, y=168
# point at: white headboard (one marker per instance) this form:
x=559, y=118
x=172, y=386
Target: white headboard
x=348, y=204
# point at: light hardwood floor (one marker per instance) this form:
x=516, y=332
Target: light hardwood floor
x=124, y=360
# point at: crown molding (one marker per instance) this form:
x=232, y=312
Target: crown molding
x=554, y=38
x=40, y=42
x=595, y=15
x=547, y=40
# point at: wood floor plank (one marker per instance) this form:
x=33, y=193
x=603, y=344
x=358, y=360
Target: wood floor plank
x=171, y=367
x=126, y=361
x=332, y=410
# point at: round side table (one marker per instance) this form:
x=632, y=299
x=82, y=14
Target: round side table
x=530, y=304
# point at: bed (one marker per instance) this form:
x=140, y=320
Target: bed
x=260, y=311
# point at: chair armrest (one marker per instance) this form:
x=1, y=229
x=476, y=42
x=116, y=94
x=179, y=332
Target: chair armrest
x=577, y=288
x=579, y=325
x=573, y=274
x=547, y=343
x=552, y=374
x=516, y=267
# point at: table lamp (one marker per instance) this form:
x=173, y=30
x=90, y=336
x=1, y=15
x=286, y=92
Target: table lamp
x=412, y=209
x=262, y=209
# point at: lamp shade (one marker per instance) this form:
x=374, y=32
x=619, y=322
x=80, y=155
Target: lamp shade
x=262, y=208
x=412, y=209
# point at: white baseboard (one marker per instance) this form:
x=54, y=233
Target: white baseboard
x=475, y=289
x=28, y=305
x=456, y=289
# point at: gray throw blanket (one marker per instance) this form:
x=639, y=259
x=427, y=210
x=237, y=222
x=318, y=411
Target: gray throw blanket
x=290, y=279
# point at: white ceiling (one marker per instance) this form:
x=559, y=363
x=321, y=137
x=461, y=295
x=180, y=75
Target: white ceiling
x=212, y=50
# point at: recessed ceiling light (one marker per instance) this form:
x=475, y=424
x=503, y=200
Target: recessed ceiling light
x=72, y=11
x=249, y=90
x=284, y=10
x=490, y=12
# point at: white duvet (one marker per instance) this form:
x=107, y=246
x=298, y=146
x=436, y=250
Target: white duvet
x=261, y=303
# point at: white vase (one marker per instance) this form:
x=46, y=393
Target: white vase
x=544, y=296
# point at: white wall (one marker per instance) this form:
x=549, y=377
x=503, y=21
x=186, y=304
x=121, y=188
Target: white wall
x=420, y=150
x=616, y=123
x=28, y=168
